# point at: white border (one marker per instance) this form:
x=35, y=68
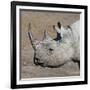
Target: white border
x=51, y=79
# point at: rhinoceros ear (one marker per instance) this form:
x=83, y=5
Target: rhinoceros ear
x=59, y=25
x=32, y=39
x=58, y=28
x=46, y=36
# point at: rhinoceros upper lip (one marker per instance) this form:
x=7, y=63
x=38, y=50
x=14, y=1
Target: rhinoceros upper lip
x=37, y=61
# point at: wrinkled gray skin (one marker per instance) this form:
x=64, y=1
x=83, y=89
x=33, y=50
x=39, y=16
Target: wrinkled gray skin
x=60, y=50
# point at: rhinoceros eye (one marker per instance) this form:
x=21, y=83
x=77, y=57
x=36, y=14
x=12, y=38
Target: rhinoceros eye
x=50, y=49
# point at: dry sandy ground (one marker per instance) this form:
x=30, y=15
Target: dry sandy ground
x=39, y=22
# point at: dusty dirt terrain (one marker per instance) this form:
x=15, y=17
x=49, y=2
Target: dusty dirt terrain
x=41, y=21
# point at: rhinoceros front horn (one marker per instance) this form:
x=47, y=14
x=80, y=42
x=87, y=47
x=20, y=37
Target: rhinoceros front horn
x=32, y=39
x=46, y=36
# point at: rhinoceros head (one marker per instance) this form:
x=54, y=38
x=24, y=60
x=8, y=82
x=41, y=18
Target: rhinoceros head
x=52, y=52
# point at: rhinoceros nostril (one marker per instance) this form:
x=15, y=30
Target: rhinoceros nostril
x=36, y=58
x=36, y=61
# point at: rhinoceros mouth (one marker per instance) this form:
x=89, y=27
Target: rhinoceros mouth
x=42, y=64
